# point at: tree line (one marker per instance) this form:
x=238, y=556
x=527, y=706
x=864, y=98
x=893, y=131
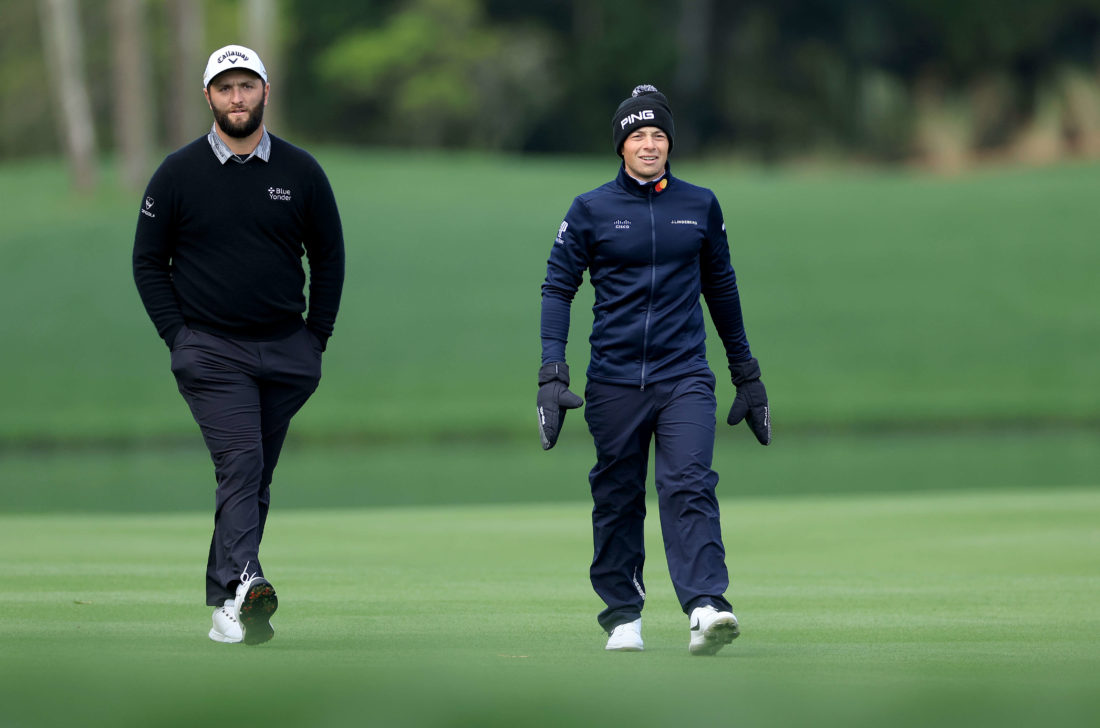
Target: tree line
x=938, y=82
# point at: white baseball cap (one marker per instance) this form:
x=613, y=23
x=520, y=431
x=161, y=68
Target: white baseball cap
x=231, y=57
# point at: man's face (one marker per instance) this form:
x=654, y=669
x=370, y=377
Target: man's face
x=237, y=99
x=645, y=152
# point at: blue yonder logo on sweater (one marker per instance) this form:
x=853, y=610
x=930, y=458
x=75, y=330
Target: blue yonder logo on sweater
x=278, y=193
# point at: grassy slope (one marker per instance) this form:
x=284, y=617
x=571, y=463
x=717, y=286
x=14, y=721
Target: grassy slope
x=878, y=298
x=948, y=609
x=152, y=480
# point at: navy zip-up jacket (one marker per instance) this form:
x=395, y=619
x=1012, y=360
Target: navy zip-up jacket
x=651, y=250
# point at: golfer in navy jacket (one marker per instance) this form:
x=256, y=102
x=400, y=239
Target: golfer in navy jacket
x=221, y=233
x=652, y=245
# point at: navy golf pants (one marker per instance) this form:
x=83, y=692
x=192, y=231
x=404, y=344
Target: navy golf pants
x=242, y=394
x=678, y=417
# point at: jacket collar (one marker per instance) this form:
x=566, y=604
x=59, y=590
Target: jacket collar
x=632, y=186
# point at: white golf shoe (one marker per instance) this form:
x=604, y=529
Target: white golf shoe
x=711, y=630
x=226, y=627
x=253, y=607
x=627, y=637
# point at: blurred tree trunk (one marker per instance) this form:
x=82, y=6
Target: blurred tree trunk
x=260, y=20
x=65, y=64
x=133, y=101
x=693, y=70
x=186, y=106
x=942, y=128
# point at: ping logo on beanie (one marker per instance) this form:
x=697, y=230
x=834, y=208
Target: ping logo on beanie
x=646, y=107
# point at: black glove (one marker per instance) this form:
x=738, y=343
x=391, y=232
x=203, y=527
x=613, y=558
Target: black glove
x=553, y=400
x=751, y=402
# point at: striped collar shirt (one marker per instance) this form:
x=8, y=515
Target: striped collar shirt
x=224, y=154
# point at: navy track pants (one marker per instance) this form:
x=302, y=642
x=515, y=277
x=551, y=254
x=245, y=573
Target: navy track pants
x=242, y=394
x=678, y=416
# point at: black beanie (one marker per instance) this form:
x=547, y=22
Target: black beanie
x=646, y=107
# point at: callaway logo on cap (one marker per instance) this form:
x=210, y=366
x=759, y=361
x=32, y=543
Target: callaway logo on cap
x=231, y=57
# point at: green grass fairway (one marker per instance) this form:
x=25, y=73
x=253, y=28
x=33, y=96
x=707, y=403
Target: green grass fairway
x=919, y=546
x=967, y=609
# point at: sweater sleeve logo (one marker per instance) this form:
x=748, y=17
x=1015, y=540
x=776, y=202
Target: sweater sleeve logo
x=147, y=209
x=561, y=231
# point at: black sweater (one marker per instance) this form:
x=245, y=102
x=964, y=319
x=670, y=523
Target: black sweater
x=219, y=247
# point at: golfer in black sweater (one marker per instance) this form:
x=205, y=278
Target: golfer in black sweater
x=218, y=252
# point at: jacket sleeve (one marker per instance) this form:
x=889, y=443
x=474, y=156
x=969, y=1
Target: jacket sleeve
x=154, y=245
x=719, y=285
x=324, y=244
x=569, y=258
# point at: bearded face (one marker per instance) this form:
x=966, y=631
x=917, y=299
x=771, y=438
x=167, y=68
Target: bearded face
x=237, y=100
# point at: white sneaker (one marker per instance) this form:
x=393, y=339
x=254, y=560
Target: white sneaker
x=226, y=627
x=627, y=637
x=711, y=630
x=253, y=607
